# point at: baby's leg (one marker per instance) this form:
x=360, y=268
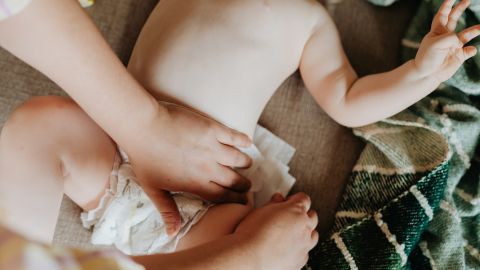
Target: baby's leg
x=219, y=220
x=49, y=147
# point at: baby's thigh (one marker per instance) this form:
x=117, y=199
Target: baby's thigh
x=219, y=220
x=49, y=147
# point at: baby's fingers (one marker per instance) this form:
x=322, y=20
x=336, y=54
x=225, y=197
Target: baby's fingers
x=469, y=52
x=440, y=21
x=447, y=41
x=456, y=13
x=461, y=55
x=468, y=34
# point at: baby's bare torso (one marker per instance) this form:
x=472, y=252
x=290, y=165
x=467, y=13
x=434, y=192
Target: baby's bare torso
x=224, y=58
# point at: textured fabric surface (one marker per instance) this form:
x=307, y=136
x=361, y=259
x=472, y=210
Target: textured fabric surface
x=412, y=200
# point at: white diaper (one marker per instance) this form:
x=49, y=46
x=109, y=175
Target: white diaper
x=127, y=219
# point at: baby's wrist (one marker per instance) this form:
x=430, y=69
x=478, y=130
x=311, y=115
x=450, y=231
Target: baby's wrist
x=422, y=74
x=419, y=71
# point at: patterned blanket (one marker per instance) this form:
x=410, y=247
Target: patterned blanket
x=413, y=199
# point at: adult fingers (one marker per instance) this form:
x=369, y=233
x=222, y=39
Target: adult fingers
x=440, y=20
x=167, y=207
x=315, y=238
x=232, y=137
x=313, y=219
x=228, y=178
x=216, y=193
x=233, y=157
x=301, y=199
x=456, y=13
x=304, y=261
x=468, y=34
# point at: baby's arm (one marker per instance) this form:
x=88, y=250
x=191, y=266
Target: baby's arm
x=355, y=102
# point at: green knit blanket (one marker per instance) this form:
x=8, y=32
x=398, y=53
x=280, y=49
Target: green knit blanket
x=413, y=198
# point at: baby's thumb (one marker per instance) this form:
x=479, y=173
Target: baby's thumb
x=168, y=209
x=469, y=52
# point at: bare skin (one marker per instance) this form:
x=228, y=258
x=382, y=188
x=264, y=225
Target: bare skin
x=78, y=59
x=238, y=52
x=256, y=239
x=255, y=242
x=50, y=147
x=50, y=140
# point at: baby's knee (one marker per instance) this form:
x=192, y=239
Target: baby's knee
x=33, y=116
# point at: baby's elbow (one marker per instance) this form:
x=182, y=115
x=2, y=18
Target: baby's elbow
x=348, y=115
x=350, y=120
x=349, y=123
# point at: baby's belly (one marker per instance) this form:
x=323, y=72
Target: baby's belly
x=231, y=91
x=227, y=70
x=238, y=107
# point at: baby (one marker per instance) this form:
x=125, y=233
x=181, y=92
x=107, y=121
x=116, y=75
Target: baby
x=225, y=59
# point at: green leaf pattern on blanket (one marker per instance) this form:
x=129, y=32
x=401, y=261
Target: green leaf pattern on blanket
x=413, y=199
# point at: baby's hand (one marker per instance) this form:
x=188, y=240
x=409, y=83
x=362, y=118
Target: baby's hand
x=442, y=51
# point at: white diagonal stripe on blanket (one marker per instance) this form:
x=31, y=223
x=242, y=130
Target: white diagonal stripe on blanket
x=452, y=136
x=393, y=171
x=467, y=197
x=426, y=252
x=410, y=44
x=368, y=132
x=447, y=207
x=399, y=248
x=472, y=250
x=423, y=202
x=410, y=124
x=434, y=104
x=351, y=214
x=343, y=248
x=460, y=108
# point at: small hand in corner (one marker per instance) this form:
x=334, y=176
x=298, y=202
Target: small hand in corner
x=442, y=50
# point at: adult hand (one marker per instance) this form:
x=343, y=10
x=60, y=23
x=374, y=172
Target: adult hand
x=282, y=232
x=185, y=151
x=276, y=236
x=171, y=148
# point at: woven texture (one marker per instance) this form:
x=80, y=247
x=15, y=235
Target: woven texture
x=413, y=197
